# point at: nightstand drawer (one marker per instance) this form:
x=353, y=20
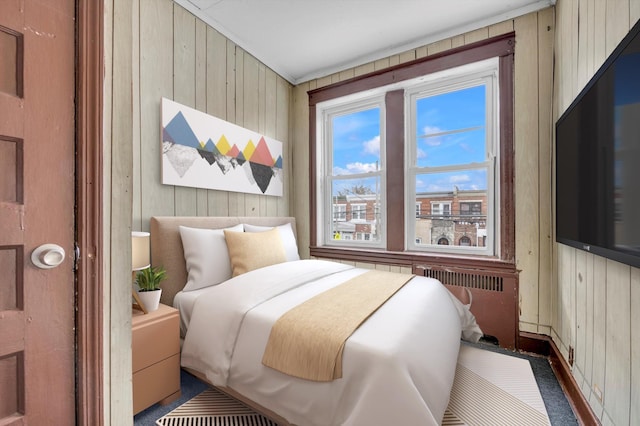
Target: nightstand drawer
x=156, y=383
x=155, y=337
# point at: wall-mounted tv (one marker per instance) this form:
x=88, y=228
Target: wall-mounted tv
x=598, y=160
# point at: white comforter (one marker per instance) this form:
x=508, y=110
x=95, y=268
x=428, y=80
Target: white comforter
x=398, y=367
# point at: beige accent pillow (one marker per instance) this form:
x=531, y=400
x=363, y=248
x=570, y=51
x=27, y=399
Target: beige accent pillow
x=286, y=233
x=253, y=250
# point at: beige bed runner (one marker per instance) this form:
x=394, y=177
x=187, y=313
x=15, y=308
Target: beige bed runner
x=308, y=340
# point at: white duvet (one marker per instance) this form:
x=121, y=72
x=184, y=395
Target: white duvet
x=398, y=367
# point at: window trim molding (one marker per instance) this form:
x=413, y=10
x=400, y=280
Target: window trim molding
x=503, y=47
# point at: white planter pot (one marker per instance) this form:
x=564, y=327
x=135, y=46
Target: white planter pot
x=150, y=299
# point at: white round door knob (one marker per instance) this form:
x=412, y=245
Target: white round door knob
x=47, y=256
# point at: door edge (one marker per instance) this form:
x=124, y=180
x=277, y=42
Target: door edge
x=89, y=220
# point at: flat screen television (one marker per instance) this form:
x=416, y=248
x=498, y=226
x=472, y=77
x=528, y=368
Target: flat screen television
x=598, y=160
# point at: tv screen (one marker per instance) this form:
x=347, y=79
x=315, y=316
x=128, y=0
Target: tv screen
x=598, y=160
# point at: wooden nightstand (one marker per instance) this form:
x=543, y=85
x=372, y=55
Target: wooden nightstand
x=155, y=357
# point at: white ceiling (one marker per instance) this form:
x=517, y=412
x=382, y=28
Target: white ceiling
x=306, y=39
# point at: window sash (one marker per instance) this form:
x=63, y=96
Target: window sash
x=326, y=195
x=486, y=75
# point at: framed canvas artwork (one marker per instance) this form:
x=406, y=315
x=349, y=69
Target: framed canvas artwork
x=203, y=151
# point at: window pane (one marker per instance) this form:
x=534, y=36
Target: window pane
x=339, y=211
x=454, y=209
x=355, y=209
x=356, y=142
x=467, y=180
x=450, y=128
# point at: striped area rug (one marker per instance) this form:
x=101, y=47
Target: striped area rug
x=494, y=389
x=213, y=408
x=489, y=389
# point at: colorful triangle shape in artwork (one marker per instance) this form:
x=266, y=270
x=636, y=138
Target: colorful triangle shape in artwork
x=223, y=145
x=179, y=131
x=262, y=155
x=209, y=146
x=233, y=152
x=248, y=150
x=278, y=163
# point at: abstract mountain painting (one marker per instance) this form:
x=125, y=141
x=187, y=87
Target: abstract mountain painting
x=203, y=151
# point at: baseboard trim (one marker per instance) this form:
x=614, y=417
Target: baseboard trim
x=543, y=345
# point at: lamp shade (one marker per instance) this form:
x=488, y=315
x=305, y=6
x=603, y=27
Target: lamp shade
x=140, y=256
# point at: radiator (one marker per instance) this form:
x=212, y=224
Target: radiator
x=494, y=296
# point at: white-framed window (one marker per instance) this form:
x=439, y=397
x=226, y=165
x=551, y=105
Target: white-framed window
x=352, y=167
x=411, y=167
x=363, y=236
x=339, y=212
x=359, y=212
x=450, y=151
x=452, y=143
x=440, y=209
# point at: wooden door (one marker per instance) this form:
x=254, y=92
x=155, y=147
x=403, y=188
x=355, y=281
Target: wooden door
x=37, y=121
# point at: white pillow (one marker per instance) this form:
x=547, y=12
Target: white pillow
x=286, y=234
x=206, y=256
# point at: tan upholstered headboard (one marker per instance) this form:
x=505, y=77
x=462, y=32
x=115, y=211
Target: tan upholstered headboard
x=166, y=244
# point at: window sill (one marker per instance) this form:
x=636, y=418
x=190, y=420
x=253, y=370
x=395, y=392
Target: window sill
x=412, y=259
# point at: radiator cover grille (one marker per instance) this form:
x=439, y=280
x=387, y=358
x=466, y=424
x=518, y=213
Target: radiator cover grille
x=481, y=281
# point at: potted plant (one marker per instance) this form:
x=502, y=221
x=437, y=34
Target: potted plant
x=149, y=290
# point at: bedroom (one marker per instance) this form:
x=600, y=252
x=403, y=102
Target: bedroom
x=551, y=301
x=590, y=319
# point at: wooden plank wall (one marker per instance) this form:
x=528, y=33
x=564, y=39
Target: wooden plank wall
x=180, y=57
x=116, y=212
x=154, y=48
x=533, y=86
x=596, y=301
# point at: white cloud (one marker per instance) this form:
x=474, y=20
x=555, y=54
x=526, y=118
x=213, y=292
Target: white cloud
x=462, y=181
x=354, y=168
x=430, y=130
x=460, y=178
x=372, y=146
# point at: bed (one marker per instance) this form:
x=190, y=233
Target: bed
x=397, y=367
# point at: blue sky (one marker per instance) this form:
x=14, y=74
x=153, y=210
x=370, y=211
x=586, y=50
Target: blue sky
x=357, y=139
x=356, y=146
